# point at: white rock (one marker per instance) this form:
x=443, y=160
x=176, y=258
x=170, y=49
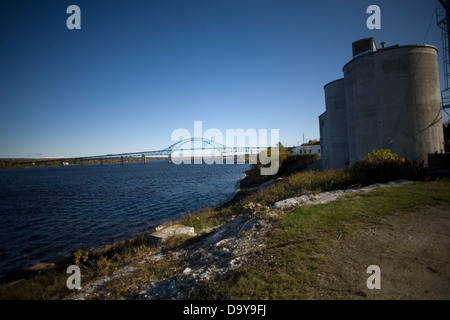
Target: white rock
x=160, y=236
x=187, y=271
x=326, y=197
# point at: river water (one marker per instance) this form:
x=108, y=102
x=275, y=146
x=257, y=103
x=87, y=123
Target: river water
x=49, y=212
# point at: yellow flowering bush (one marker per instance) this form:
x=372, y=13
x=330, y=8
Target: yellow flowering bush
x=80, y=255
x=381, y=155
x=382, y=166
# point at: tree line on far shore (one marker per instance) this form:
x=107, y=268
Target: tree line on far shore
x=57, y=162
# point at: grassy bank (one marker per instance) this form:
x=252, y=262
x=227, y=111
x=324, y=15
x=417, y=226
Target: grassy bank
x=286, y=271
x=283, y=272
x=50, y=283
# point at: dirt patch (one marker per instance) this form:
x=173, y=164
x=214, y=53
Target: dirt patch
x=411, y=249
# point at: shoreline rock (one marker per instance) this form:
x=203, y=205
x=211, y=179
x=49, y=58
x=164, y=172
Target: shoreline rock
x=159, y=237
x=328, y=196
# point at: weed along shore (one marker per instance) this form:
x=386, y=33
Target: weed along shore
x=57, y=268
x=282, y=237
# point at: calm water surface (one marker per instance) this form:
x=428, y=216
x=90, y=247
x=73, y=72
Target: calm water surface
x=48, y=212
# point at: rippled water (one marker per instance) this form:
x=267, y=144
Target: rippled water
x=48, y=212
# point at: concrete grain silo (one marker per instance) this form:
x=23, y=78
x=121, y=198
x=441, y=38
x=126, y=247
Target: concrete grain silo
x=336, y=139
x=393, y=101
x=325, y=157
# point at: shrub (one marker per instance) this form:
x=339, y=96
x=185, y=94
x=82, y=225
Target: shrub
x=296, y=162
x=80, y=254
x=382, y=166
x=288, y=164
x=103, y=265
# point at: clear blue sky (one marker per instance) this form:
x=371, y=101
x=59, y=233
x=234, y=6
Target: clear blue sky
x=138, y=70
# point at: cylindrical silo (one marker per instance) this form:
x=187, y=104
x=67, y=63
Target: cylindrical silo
x=336, y=122
x=393, y=102
x=325, y=156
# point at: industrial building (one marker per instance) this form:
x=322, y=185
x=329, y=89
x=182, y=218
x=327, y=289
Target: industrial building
x=307, y=149
x=389, y=98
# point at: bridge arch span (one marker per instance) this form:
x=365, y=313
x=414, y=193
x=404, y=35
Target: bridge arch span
x=214, y=144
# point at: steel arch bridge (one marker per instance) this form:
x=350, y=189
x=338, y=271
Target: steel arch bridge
x=206, y=144
x=194, y=144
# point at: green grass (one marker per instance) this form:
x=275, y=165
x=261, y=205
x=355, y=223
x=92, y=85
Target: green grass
x=286, y=272
x=204, y=219
x=289, y=164
x=46, y=287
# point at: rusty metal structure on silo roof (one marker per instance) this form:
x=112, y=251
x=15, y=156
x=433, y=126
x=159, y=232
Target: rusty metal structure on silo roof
x=392, y=101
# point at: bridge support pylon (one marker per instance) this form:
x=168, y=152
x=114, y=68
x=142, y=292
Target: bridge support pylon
x=121, y=159
x=143, y=159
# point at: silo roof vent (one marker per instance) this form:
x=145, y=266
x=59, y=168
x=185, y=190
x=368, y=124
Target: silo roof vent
x=364, y=46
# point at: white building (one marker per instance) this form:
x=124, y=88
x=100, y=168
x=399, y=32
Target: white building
x=307, y=149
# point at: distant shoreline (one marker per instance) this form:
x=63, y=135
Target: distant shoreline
x=11, y=163
x=26, y=163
